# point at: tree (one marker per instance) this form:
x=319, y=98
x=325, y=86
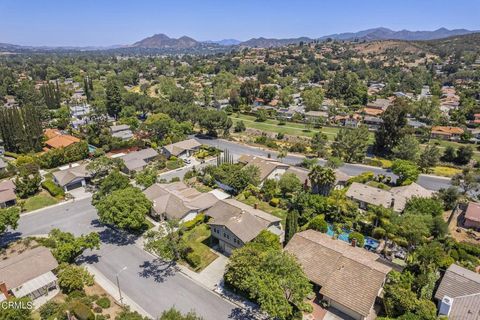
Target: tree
x=449, y=197
x=271, y=277
x=351, y=144
x=73, y=278
x=261, y=115
x=159, y=124
x=240, y=126
x=413, y=227
x=391, y=130
x=346, y=86
x=464, y=155
x=167, y=242
x=429, y=158
x=319, y=143
x=334, y=163
x=322, y=180
x=146, y=177
x=66, y=247
x=269, y=189
x=428, y=206
x=28, y=180
x=291, y=225
x=407, y=148
x=174, y=314
x=268, y=93
x=21, y=129
x=312, y=98
x=126, y=314
x=9, y=219
x=101, y=166
x=318, y=223
x=406, y=171
x=249, y=90
x=113, y=98
x=468, y=181
x=124, y=208
x=17, y=313
x=289, y=183
x=112, y=182
x=449, y=154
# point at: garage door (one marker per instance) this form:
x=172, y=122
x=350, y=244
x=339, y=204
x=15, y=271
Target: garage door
x=74, y=185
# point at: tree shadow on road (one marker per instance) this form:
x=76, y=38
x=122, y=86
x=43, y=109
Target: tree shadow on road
x=8, y=237
x=242, y=314
x=158, y=269
x=112, y=236
x=88, y=259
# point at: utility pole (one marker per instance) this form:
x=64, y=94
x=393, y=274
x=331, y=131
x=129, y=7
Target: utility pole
x=118, y=284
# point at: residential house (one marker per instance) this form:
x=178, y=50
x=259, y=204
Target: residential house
x=395, y=198
x=347, y=277
x=137, y=160
x=268, y=168
x=233, y=224
x=416, y=124
x=316, y=115
x=8, y=197
x=121, y=131
x=178, y=201
x=182, y=149
x=476, y=118
x=221, y=104
x=80, y=114
x=446, y=133
x=380, y=104
x=372, y=122
x=28, y=274
x=425, y=93
x=471, y=217
x=341, y=178
x=458, y=294
x=73, y=177
x=57, y=139
x=349, y=121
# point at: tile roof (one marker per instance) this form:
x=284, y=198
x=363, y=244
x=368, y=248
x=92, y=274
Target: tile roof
x=348, y=275
x=447, y=130
x=458, y=282
x=26, y=266
x=61, y=141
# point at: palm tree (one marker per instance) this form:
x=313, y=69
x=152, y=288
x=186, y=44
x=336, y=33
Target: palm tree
x=322, y=180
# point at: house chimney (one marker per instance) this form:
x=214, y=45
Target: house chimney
x=3, y=289
x=255, y=205
x=354, y=242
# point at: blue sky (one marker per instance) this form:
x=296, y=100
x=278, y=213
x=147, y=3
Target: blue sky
x=108, y=22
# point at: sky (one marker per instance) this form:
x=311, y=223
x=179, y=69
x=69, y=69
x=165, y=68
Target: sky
x=112, y=22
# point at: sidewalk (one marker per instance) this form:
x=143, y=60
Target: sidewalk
x=112, y=290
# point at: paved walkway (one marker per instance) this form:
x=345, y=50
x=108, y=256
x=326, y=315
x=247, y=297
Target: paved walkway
x=212, y=275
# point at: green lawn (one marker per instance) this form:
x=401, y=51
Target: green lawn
x=39, y=201
x=174, y=164
x=196, y=239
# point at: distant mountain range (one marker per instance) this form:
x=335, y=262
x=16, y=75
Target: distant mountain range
x=185, y=44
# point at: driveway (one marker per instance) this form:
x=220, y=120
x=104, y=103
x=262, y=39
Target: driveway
x=153, y=284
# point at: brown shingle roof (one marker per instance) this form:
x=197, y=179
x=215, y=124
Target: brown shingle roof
x=465, y=308
x=473, y=211
x=349, y=275
x=370, y=195
x=66, y=176
x=179, y=147
x=7, y=191
x=266, y=166
x=457, y=282
x=26, y=266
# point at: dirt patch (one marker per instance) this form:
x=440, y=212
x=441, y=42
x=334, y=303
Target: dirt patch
x=114, y=308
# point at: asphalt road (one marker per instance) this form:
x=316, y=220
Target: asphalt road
x=153, y=284
x=236, y=149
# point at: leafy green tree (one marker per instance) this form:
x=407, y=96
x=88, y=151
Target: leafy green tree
x=468, y=181
x=391, y=130
x=240, y=126
x=429, y=158
x=318, y=223
x=269, y=189
x=334, y=163
x=289, y=183
x=346, y=86
x=268, y=93
x=413, y=227
x=261, y=116
x=428, y=206
x=12, y=313
x=101, y=166
x=406, y=171
x=319, y=143
x=271, y=277
x=113, y=97
x=9, y=219
x=168, y=242
x=464, y=155
x=449, y=197
x=449, y=154
x=28, y=180
x=249, y=90
x=322, y=180
x=124, y=208
x=312, y=98
x=112, y=182
x=66, y=247
x=146, y=177
x=408, y=148
x=73, y=278
x=351, y=144
x=174, y=314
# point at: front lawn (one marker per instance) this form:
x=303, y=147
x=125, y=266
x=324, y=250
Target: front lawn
x=174, y=164
x=41, y=200
x=196, y=239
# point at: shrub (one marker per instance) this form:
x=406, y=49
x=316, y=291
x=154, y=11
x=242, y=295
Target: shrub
x=11, y=154
x=103, y=302
x=81, y=311
x=274, y=202
x=98, y=309
x=193, y=259
x=378, y=233
x=49, y=309
x=192, y=223
x=53, y=189
x=76, y=294
x=373, y=162
x=357, y=236
x=318, y=223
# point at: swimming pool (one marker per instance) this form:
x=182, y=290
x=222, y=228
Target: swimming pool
x=370, y=243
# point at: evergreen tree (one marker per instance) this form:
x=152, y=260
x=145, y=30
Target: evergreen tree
x=392, y=127
x=114, y=98
x=291, y=225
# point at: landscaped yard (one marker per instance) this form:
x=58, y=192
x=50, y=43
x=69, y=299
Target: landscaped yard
x=174, y=164
x=195, y=239
x=43, y=199
x=264, y=206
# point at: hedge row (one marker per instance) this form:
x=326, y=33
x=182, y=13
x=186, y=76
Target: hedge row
x=53, y=189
